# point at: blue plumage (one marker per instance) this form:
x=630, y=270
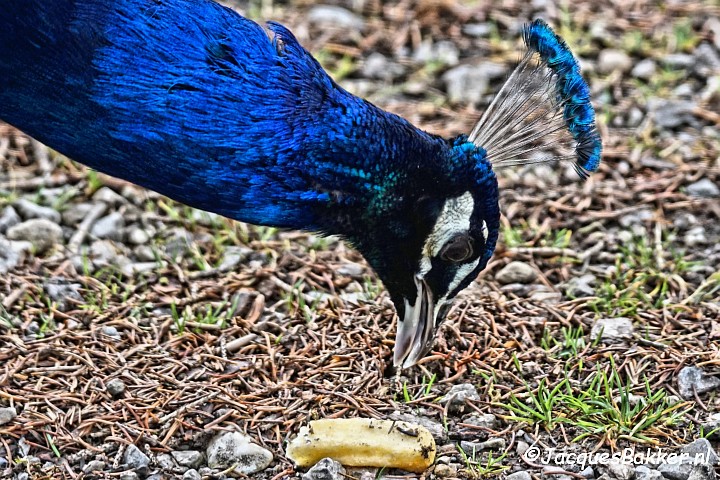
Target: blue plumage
x=190, y=99
x=572, y=91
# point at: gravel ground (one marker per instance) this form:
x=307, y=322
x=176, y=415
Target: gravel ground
x=139, y=338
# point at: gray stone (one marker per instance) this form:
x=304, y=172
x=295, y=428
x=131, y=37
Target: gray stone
x=704, y=188
x=234, y=448
x=619, y=469
x=351, y=270
x=477, y=30
x=707, y=60
x=329, y=16
x=635, y=218
x=581, y=286
x=179, y=243
x=63, y=293
x=711, y=426
x=611, y=60
x=436, y=429
x=8, y=218
x=516, y=272
x=115, y=387
x=702, y=471
x=137, y=236
x=588, y=473
x=693, y=379
x=634, y=118
x=444, y=52
x=233, y=256
x=94, y=466
x=695, y=461
x=695, y=236
x=110, y=331
x=134, y=458
x=104, y=253
x=109, y=227
x=671, y=113
x=30, y=210
x=442, y=470
x=325, y=469
x=469, y=83
x=612, y=330
x=521, y=475
x=458, y=395
x=192, y=474
x=108, y=196
x=378, y=66
x=644, y=473
x=484, y=420
x=7, y=415
x=679, y=61
x=10, y=257
x=42, y=233
x=132, y=269
x=166, y=461
x=188, y=458
x=76, y=212
x=645, y=69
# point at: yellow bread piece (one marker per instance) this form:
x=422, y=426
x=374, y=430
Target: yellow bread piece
x=364, y=442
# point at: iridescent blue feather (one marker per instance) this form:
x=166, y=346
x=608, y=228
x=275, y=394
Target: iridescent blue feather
x=544, y=105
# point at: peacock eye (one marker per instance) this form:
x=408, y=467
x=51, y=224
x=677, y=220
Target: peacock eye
x=457, y=249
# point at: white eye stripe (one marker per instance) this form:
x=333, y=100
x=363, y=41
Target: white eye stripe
x=453, y=219
x=462, y=272
x=484, y=230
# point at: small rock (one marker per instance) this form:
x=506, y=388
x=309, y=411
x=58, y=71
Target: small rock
x=30, y=210
x=108, y=195
x=693, y=379
x=711, y=426
x=436, y=429
x=444, y=52
x=104, y=253
x=191, y=474
x=695, y=460
x=644, y=473
x=635, y=218
x=477, y=30
x=671, y=113
x=10, y=257
x=166, y=461
x=611, y=60
x=469, y=83
x=109, y=227
x=325, y=469
x=7, y=415
x=329, y=16
x=619, y=469
x=545, y=297
x=612, y=330
x=704, y=188
x=63, y=293
x=94, y=466
x=234, y=448
x=588, y=473
x=75, y=213
x=115, y=387
x=42, y=233
x=522, y=447
x=485, y=420
x=110, y=331
x=470, y=448
x=129, y=476
x=521, y=475
x=380, y=67
x=695, y=236
x=233, y=256
x=458, y=395
x=134, y=458
x=444, y=471
x=707, y=60
x=679, y=61
x=179, y=243
x=516, y=272
x=137, y=236
x=634, y=118
x=188, y=458
x=644, y=69
x=8, y=218
x=132, y=269
x=581, y=286
x=351, y=270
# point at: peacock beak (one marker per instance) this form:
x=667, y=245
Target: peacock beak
x=416, y=330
